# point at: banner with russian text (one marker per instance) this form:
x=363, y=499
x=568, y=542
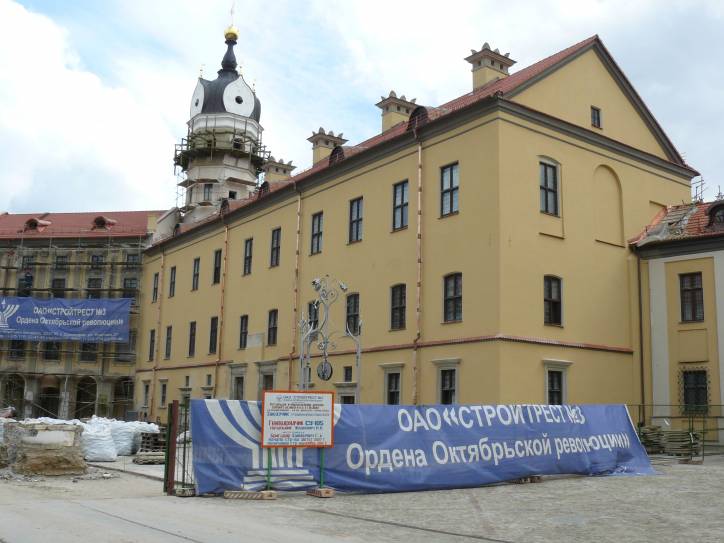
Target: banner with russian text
x=386, y=448
x=62, y=319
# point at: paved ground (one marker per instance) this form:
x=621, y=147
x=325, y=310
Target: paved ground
x=682, y=503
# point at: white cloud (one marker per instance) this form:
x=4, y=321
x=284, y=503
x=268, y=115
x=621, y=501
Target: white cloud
x=89, y=119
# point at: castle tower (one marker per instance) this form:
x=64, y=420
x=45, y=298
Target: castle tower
x=222, y=154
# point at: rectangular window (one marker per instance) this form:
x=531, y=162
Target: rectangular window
x=94, y=287
x=398, y=295
x=217, y=266
x=548, y=188
x=195, y=274
x=28, y=262
x=271, y=332
x=208, y=379
x=447, y=386
x=243, y=331
x=555, y=387
x=347, y=399
x=130, y=288
x=152, y=345
x=238, y=388
x=692, y=297
x=172, y=282
x=449, y=188
x=146, y=393
x=17, y=349
x=595, y=117
x=696, y=395
x=88, y=352
x=276, y=247
x=355, y=220
x=453, y=303
x=133, y=260
x=154, y=292
x=58, y=287
x=393, y=389
x=248, y=248
x=169, y=333
x=164, y=389
x=347, y=374
x=96, y=262
x=208, y=188
x=267, y=381
x=353, y=313
x=126, y=352
x=317, y=220
x=400, y=204
x=192, y=338
x=213, y=334
x=61, y=262
x=552, y=300
x=51, y=350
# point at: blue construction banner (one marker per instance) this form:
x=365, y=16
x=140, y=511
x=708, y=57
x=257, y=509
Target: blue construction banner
x=61, y=319
x=390, y=448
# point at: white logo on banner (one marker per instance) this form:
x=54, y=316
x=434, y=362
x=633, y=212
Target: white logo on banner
x=287, y=464
x=7, y=311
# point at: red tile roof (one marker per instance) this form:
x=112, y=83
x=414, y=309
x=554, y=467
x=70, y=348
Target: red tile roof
x=500, y=87
x=73, y=225
x=682, y=222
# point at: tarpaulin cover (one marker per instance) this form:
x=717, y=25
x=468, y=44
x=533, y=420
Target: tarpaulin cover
x=59, y=319
x=386, y=448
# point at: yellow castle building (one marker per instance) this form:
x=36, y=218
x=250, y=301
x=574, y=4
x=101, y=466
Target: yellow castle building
x=482, y=244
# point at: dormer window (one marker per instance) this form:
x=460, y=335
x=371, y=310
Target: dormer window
x=36, y=224
x=717, y=215
x=102, y=223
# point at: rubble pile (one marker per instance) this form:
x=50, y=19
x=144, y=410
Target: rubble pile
x=43, y=449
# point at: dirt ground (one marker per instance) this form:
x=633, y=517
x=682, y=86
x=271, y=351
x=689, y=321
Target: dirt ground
x=683, y=502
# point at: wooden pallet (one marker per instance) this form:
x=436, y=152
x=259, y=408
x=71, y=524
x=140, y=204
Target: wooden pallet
x=250, y=495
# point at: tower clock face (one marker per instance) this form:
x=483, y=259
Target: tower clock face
x=238, y=98
x=197, y=100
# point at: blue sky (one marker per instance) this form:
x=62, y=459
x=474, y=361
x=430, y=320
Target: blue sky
x=94, y=94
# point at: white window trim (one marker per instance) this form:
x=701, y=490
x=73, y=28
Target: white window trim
x=559, y=178
x=237, y=369
x=268, y=367
x=387, y=368
x=448, y=364
x=552, y=364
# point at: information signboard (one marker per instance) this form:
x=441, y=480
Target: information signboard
x=297, y=419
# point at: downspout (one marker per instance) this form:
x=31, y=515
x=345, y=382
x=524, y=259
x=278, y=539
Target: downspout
x=418, y=286
x=296, y=286
x=220, y=339
x=157, y=345
x=642, y=411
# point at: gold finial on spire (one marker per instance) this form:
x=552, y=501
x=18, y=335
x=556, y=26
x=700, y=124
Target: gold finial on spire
x=231, y=32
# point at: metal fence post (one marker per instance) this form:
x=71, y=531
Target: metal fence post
x=171, y=436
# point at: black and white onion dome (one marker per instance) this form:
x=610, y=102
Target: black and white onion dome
x=228, y=93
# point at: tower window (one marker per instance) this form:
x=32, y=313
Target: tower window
x=238, y=99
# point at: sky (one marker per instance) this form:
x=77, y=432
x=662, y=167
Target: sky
x=95, y=94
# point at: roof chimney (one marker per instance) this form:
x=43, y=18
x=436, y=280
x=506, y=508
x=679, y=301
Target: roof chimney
x=395, y=110
x=488, y=65
x=277, y=170
x=323, y=143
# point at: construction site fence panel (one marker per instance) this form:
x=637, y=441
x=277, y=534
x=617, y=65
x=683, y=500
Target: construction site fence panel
x=389, y=448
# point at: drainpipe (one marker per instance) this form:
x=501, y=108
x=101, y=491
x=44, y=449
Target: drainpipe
x=156, y=347
x=220, y=339
x=642, y=411
x=418, y=286
x=296, y=285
